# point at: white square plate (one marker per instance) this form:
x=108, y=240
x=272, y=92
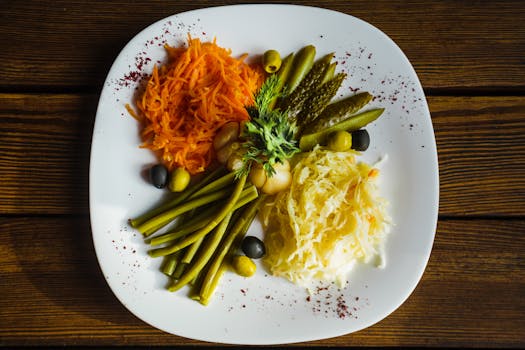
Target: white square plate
x=265, y=309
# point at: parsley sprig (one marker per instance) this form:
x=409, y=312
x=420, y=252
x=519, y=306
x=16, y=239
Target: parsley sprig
x=270, y=136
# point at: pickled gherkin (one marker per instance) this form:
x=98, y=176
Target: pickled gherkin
x=294, y=102
x=339, y=111
x=315, y=105
x=302, y=63
x=329, y=73
x=356, y=122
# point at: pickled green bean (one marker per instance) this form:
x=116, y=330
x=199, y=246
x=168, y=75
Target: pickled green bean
x=215, y=185
x=204, y=299
x=170, y=263
x=194, y=223
x=191, y=251
x=179, y=270
x=200, y=220
x=161, y=220
x=208, y=251
x=179, y=198
x=186, y=241
x=237, y=230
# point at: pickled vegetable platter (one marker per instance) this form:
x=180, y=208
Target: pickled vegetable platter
x=373, y=83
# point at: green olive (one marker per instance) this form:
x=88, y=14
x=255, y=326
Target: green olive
x=243, y=266
x=179, y=180
x=271, y=61
x=340, y=141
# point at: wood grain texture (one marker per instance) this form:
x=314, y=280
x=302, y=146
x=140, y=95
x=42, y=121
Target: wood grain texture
x=481, y=151
x=452, y=44
x=471, y=293
x=44, y=152
x=469, y=56
x=45, y=144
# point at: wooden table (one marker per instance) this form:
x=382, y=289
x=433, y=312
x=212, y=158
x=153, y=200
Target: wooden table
x=470, y=57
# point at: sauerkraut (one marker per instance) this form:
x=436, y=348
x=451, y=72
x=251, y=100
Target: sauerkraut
x=328, y=219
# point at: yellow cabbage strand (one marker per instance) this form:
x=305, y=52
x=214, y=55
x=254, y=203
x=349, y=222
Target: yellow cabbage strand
x=330, y=218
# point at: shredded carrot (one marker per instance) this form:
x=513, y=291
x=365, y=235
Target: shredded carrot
x=186, y=101
x=374, y=172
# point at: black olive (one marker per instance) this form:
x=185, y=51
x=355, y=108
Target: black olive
x=253, y=247
x=158, y=175
x=360, y=140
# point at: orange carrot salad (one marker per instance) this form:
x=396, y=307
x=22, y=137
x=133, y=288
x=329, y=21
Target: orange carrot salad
x=186, y=101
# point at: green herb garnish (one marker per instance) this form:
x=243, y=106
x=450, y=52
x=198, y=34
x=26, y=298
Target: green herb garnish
x=270, y=136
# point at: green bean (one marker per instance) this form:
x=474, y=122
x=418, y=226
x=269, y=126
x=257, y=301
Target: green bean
x=247, y=196
x=283, y=74
x=170, y=263
x=194, y=223
x=196, y=282
x=191, y=251
x=205, y=299
x=155, y=228
x=197, y=278
x=199, y=221
x=179, y=270
x=308, y=141
x=302, y=63
x=161, y=220
x=249, y=220
x=186, y=241
x=207, y=253
x=215, y=185
x=194, y=296
x=237, y=230
x=179, y=198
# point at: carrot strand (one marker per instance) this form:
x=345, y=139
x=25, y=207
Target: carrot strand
x=189, y=98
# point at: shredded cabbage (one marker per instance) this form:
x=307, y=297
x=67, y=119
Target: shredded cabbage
x=328, y=219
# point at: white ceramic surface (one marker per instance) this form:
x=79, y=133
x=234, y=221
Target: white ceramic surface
x=265, y=309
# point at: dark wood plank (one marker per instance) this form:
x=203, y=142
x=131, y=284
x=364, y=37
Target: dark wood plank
x=71, y=44
x=45, y=144
x=44, y=152
x=53, y=292
x=481, y=148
